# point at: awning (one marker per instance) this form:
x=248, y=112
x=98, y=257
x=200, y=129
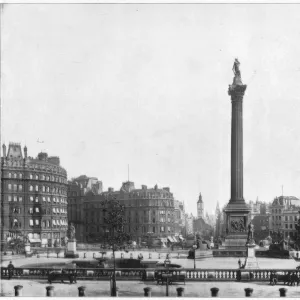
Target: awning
x=174, y=239
x=34, y=240
x=181, y=238
x=164, y=240
x=170, y=239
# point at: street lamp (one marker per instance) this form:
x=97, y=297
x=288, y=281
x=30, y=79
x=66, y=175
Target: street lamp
x=194, y=247
x=288, y=242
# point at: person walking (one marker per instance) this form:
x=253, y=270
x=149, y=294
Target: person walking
x=10, y=268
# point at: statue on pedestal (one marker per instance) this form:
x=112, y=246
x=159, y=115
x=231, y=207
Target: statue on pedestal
x=250, y=233
x=71, y=232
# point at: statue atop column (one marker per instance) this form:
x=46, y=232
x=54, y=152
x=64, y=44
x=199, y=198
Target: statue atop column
x=237, y=80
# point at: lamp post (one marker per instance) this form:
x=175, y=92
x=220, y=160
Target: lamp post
x=288, y=237
x=167, y=275
x=194, y=247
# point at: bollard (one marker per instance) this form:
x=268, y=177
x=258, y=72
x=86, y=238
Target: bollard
x=158, y=255
x=122, y=255
x=150, y=256
x=214, y=292
x=84, y=255
x=50, y=291
x=93, y=255
x=180, y=292
x=131, y=255
x=282, y=292
x=248, y=292
x=147, y=291
x=117, y=292
x=81, y=291
x=178, y=255
x=18, y=290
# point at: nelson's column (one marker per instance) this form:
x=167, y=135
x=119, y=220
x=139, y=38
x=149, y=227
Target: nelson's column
x=237, y=211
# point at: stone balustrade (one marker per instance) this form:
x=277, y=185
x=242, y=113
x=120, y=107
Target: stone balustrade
x=149, y=273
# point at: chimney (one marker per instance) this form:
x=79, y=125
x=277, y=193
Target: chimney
x=166, y=189
x=25, y=152
x=144, y=187
x=4, y=150
x=110, y=189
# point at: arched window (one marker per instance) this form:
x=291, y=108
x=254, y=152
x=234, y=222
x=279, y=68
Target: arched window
x=36, y=177
x=36, y=188
x=15, y=175
x=20, y=187
x=31, y=188
x=20, y=175
x=9, y=186
x=30, y=176
x=9, y=175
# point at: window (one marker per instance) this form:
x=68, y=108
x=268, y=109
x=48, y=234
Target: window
x=291, y=226
x=42, y=177
x=162, y=229
x=36, y=177
x=48, y=199
x=36, y=199
x=169, y=229
x=15, y=175
x=15, y=187
x=9, y=198
x=31, y=188
x=44, y=224
x=15, y=198
x=20, y=187
x=44, y=199
x=286, y=226
x=20, y=175
x=30, y=222
x=37, y=210
x=9, y=175
x=31, y=198
x=36, y=188
x=48, y=223
x=9, y=186
x=48, y=189
x=20, y=198
x=37, y=222
x=295, y=218
x=44, y=188
x=30, y=176
x=286, y=218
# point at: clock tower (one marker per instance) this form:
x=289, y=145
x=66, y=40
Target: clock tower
x=200, y=208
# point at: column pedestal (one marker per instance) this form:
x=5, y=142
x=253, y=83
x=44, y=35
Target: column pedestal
x=71, y=251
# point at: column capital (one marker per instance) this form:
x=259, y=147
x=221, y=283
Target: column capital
x=237, y=91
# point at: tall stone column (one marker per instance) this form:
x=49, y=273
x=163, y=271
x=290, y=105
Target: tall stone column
x=237, y=211
x=237, y=93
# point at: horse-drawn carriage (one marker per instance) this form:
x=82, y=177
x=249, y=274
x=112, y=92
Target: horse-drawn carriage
x=291, y=278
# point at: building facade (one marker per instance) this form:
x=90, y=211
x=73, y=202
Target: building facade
x=281, y=207
x=34, y=197
x=149, y=212
x=189, y=224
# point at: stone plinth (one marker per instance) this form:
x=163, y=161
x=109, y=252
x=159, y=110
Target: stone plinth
x=251, y=261
x=27, y=248
x=71, y=251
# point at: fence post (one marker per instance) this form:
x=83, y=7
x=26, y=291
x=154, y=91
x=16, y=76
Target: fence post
x=180, y=292
x=81, y=291
x=248, y=292
x=147, y=291
x=214, y=292
x=50, y=291
x=18, y=290
x=282, y=292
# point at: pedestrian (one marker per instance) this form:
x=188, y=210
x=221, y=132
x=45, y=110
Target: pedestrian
x=10, y=268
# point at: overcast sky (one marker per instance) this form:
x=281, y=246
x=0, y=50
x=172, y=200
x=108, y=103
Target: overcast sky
x=105, y=86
